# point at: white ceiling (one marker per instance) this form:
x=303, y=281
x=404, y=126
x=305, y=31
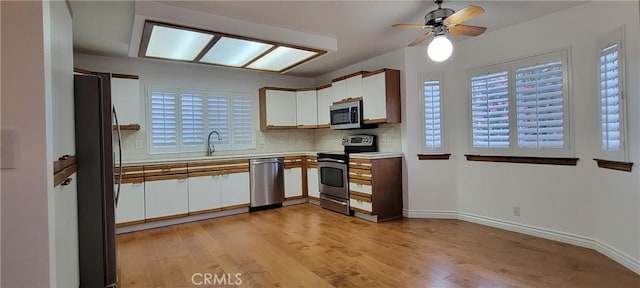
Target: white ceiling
x=362, y=28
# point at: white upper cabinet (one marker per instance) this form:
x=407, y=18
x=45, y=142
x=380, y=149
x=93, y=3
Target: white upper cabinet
x=325, y=99
x=307, y=109
x=354, y=86
x=277, y=109
x=381, y=97
x=347, y=87
x=339, y=90
x=125, y=95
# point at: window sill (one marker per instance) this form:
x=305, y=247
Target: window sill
x=524, y=159
x=615, y=165
x=443, y=156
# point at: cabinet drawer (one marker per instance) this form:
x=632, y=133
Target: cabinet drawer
x=360, y=163
x=166, y=169
x=359, y=187
x=361, y=206
x=360, y=177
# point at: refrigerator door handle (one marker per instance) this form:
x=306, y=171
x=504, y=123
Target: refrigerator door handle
x=115, y=116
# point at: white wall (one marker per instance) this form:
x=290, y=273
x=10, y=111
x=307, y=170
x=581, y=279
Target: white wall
x=594, y=207
x=63, y=213
x=197, y=76
x=25, y=108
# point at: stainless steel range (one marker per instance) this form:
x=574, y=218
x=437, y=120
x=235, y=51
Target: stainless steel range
x=333, y=171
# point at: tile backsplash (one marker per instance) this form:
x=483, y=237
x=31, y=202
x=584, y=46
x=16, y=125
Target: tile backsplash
x=134, y=143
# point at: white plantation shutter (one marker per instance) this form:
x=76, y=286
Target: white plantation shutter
x=242, y=113
x=180, y=120
x=432, y=125
x=540, y=110
x=163, y=119
x=192, y=116
x=490, y=110
x=218, y=117
x=610, y=98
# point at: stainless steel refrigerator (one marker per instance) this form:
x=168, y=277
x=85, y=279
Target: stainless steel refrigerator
x=96, y=196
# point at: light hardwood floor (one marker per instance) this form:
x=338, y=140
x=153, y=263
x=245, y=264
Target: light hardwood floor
x=306, y=246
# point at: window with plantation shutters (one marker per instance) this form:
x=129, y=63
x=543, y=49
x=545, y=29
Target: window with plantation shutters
x=431, y=100
x=611, y=88
x=490, y=110
x=242, y=110
x=163, y=120
x=192, y=116
x=218, y=117
x=539, y=100
x=519, y=108
x=181, y=120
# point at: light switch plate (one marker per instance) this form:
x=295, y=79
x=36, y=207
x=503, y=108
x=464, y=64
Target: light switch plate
x=9, y=149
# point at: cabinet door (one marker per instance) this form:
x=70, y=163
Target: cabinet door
x=165, y=198
x=281, y=108
x=125, y=95
x=354, y=86
x=313, y=188
x=130, y=203
x=325, y=99
x=292, y=182
x=204, y=193
x=374, y=101
x=339, y=90
x=234, y=189
x=307, y=109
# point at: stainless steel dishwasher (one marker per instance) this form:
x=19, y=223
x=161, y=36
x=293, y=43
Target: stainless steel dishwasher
x=267, y=182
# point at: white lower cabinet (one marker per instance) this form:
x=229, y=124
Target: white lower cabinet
x=166, y=198
x=204, y=193
x=292, y=182
x=234, y=189
x=130, y=203
x=313, y=189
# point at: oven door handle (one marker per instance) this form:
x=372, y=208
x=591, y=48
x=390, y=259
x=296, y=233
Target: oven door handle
x=330, y=160
x=334, y=201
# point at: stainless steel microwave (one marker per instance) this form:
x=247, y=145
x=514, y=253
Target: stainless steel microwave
x=346, y=115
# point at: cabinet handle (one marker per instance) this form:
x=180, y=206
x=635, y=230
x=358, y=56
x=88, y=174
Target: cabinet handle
x=66, y=182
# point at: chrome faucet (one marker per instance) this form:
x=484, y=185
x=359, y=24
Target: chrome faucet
x=210, y=147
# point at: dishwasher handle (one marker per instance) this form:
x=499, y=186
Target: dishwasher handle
x=266, y=161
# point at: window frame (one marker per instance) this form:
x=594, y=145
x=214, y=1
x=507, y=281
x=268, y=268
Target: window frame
x=510, y=67
x=180, y=147
x=422, y=78
x=611, y=38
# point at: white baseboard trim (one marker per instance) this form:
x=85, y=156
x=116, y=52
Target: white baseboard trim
x=529, y=230
x=618, y=256
x=603, y=248
x=430, y=214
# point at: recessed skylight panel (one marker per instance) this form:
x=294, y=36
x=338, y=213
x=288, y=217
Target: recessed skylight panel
x=234, y=52
x=176, y=44
x=281, y=58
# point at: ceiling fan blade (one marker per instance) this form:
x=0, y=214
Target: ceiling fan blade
x=421, y=39
x=467, y=30
x=411, y=26
x=463, y=15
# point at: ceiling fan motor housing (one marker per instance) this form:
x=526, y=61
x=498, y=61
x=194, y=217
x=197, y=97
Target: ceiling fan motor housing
x=435, y=17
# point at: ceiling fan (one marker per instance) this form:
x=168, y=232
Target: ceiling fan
x=444, y=20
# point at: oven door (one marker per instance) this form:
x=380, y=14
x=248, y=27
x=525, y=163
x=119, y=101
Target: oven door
x=332, y=176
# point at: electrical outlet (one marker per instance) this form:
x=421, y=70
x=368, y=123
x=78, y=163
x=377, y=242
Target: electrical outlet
x=138, y=144
x=516, y=210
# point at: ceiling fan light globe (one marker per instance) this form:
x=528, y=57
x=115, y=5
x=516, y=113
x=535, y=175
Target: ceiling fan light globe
x=440, y=48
